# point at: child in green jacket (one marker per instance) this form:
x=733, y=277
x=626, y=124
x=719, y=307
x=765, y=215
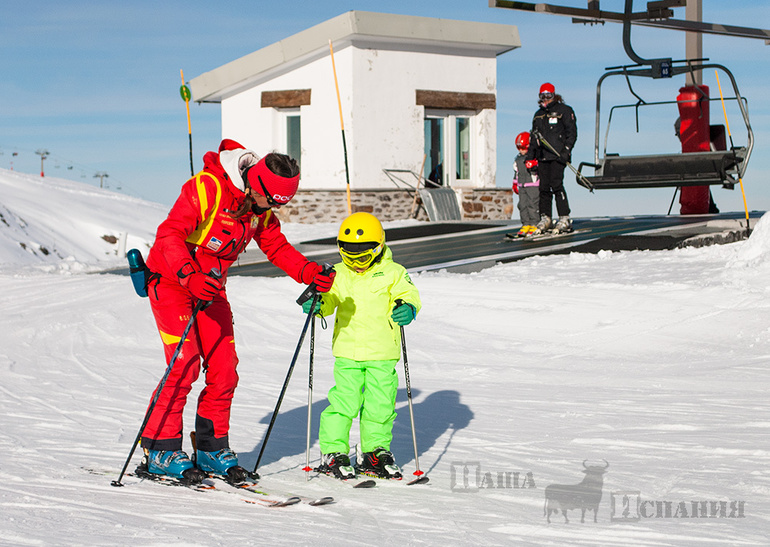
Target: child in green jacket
x=373, y=297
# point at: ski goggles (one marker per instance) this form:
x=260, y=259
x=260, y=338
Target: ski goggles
x=359, y=255
x=546, y=96
x=247, y=179
x=270, y=200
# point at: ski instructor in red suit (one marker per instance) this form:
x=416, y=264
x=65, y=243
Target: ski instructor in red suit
x=219, y=211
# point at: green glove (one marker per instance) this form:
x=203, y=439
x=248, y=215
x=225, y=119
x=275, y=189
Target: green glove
x=403, y=314
x=306, y=306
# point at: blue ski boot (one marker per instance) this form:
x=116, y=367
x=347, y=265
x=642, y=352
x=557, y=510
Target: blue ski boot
x=172, y=463
x=223, y=462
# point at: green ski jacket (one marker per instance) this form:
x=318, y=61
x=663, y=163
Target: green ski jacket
x=363, y=329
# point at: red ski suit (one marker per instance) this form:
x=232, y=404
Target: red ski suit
x=200, y=235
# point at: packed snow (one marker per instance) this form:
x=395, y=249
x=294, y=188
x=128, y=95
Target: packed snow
x=654, y=364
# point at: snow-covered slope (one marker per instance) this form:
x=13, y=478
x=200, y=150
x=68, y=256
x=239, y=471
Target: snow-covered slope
x=52, y=221
x=653, y=362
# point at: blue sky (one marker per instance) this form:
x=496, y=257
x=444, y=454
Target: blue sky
x=97, y=85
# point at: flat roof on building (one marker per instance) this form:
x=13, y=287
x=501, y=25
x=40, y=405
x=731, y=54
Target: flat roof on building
x=382, y=30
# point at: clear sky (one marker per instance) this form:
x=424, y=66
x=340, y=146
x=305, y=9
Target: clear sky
x=96, y=83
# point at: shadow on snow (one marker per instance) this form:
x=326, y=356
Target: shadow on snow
x=438, y=413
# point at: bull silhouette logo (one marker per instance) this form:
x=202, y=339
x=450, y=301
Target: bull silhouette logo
x=585, y=495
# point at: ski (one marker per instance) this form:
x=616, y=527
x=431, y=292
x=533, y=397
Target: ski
x=209, y=485
x=345, y=474
x=294, y=500
x=321, y=501
x=249, y=486
x=170, y=481
x=396, y=476
x=422, y=479
x=353, y=482
x=546, y=235
x=253, y=487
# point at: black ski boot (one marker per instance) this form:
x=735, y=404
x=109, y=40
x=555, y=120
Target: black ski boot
x=378, y=463
x=337, y=465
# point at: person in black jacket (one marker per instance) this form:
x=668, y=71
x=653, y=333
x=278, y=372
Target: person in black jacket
x=555, y=123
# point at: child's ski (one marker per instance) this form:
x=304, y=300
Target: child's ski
x=353, y=482
x=422, y=479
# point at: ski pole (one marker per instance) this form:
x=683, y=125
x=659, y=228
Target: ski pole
x=584, y=181
x=418, y=473
x=198, y=306
x=307, y=469
x=288, y=377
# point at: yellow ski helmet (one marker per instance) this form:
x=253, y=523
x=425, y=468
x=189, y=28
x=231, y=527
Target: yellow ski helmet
x=361, y=240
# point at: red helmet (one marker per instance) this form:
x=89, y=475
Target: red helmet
x=522, y=140
x=547, y=88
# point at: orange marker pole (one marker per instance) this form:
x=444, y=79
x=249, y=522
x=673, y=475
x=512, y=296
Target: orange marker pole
x=342, y=127
x=185, y=92
x=740, y=179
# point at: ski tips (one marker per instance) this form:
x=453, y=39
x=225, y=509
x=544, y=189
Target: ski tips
x=294, y=500
x=326, y=500
x=422, y=479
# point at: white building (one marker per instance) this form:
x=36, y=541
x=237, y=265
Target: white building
x=408, y=87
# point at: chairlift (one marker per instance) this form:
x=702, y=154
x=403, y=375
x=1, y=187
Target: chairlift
x=725, y=167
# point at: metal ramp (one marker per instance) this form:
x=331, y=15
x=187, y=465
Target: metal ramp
x=440, y=204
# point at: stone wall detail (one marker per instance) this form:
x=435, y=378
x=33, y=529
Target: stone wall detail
x=313, y=206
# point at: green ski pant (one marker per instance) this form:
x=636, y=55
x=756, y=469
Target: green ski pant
x=365, y=387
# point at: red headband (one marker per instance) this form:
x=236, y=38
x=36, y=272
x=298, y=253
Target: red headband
x=281, y=189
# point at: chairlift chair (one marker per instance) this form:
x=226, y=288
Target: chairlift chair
x=725, y=167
